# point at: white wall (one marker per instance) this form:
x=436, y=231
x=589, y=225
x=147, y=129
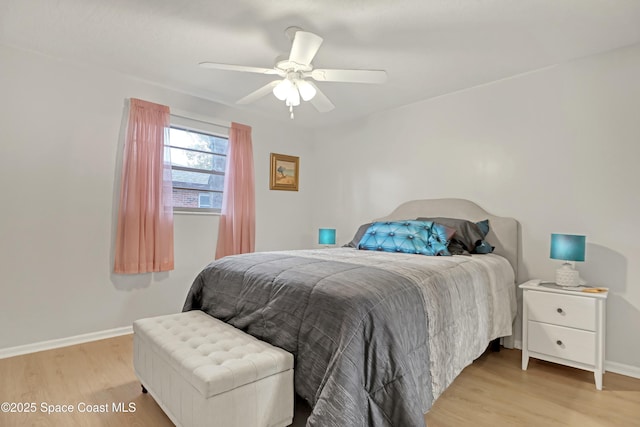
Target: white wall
x=557, y=149
x=59, y=172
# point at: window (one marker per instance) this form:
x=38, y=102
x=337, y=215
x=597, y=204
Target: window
x=205, y=200
x=198, y=162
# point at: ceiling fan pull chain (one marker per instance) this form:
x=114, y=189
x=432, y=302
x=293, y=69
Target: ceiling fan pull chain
x=291, y=111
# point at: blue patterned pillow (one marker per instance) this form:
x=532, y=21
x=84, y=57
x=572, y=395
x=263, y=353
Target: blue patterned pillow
x=483, y=226
x=409, y=237
x=483, y=247
x=469, y=236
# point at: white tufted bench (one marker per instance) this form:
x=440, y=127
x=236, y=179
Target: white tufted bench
x=204, y=372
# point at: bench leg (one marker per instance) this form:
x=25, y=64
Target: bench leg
x=144, y=390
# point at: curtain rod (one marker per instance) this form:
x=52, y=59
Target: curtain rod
x=198, y=118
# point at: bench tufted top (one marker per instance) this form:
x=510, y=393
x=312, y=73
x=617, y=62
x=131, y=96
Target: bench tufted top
x=212, y=355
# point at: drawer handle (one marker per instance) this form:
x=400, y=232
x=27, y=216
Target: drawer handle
x=560, y=311
x=559, y=342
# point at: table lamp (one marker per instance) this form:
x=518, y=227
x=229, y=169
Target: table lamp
x=327, y=236
x=568, y=248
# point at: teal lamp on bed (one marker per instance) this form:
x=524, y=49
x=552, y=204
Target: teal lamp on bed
x=327, y=236
x=569, y=248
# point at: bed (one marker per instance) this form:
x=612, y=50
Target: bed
x=376, y=336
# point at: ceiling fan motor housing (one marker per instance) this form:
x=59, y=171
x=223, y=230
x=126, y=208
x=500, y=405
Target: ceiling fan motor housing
x=288, y=65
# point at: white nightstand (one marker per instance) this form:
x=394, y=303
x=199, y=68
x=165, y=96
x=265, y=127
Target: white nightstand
x=566, y=327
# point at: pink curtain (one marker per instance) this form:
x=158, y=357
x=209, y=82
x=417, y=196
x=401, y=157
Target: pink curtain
x=144, y=240
x=237, y=230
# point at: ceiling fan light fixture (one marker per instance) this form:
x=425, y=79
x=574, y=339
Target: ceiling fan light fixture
x=306, y=89
x=283, y=89
x=293, y=98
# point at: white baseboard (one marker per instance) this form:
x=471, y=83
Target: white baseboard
x=64, y=342
x=622, y=369
x=615, y=367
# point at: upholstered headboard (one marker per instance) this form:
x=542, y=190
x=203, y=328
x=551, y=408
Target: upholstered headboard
x=504, y=233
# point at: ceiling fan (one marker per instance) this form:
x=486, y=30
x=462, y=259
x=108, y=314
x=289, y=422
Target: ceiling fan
x=295, y=72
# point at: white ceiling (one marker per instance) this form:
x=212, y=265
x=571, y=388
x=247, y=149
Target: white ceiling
x=427, y=47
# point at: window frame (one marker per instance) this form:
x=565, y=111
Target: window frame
x=206, y=128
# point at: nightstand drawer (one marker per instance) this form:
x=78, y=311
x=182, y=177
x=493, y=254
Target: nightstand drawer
x=558, y=341
x=564, y=310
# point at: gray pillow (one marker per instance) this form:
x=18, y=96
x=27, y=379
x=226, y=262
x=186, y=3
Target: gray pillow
x=356, y=239
x=468, y=235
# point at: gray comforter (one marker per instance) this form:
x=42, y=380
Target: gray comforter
x=376, y=336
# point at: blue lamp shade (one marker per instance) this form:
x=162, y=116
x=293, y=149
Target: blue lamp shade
x=568, y=247
x=327, y=236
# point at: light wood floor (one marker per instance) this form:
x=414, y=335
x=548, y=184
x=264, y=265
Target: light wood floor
x=493, y=391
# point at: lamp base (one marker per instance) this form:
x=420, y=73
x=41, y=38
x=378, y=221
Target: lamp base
x=567, y=276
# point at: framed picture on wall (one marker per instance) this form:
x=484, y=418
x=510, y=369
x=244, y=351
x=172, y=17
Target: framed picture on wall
x=284, y=172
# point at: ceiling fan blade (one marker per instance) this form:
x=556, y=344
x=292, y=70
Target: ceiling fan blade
x=304, y=48
x=254, y=96
x=320, y=101
x=244, y=68
x=349, y=76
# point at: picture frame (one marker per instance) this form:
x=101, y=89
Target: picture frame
x=285, y=172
